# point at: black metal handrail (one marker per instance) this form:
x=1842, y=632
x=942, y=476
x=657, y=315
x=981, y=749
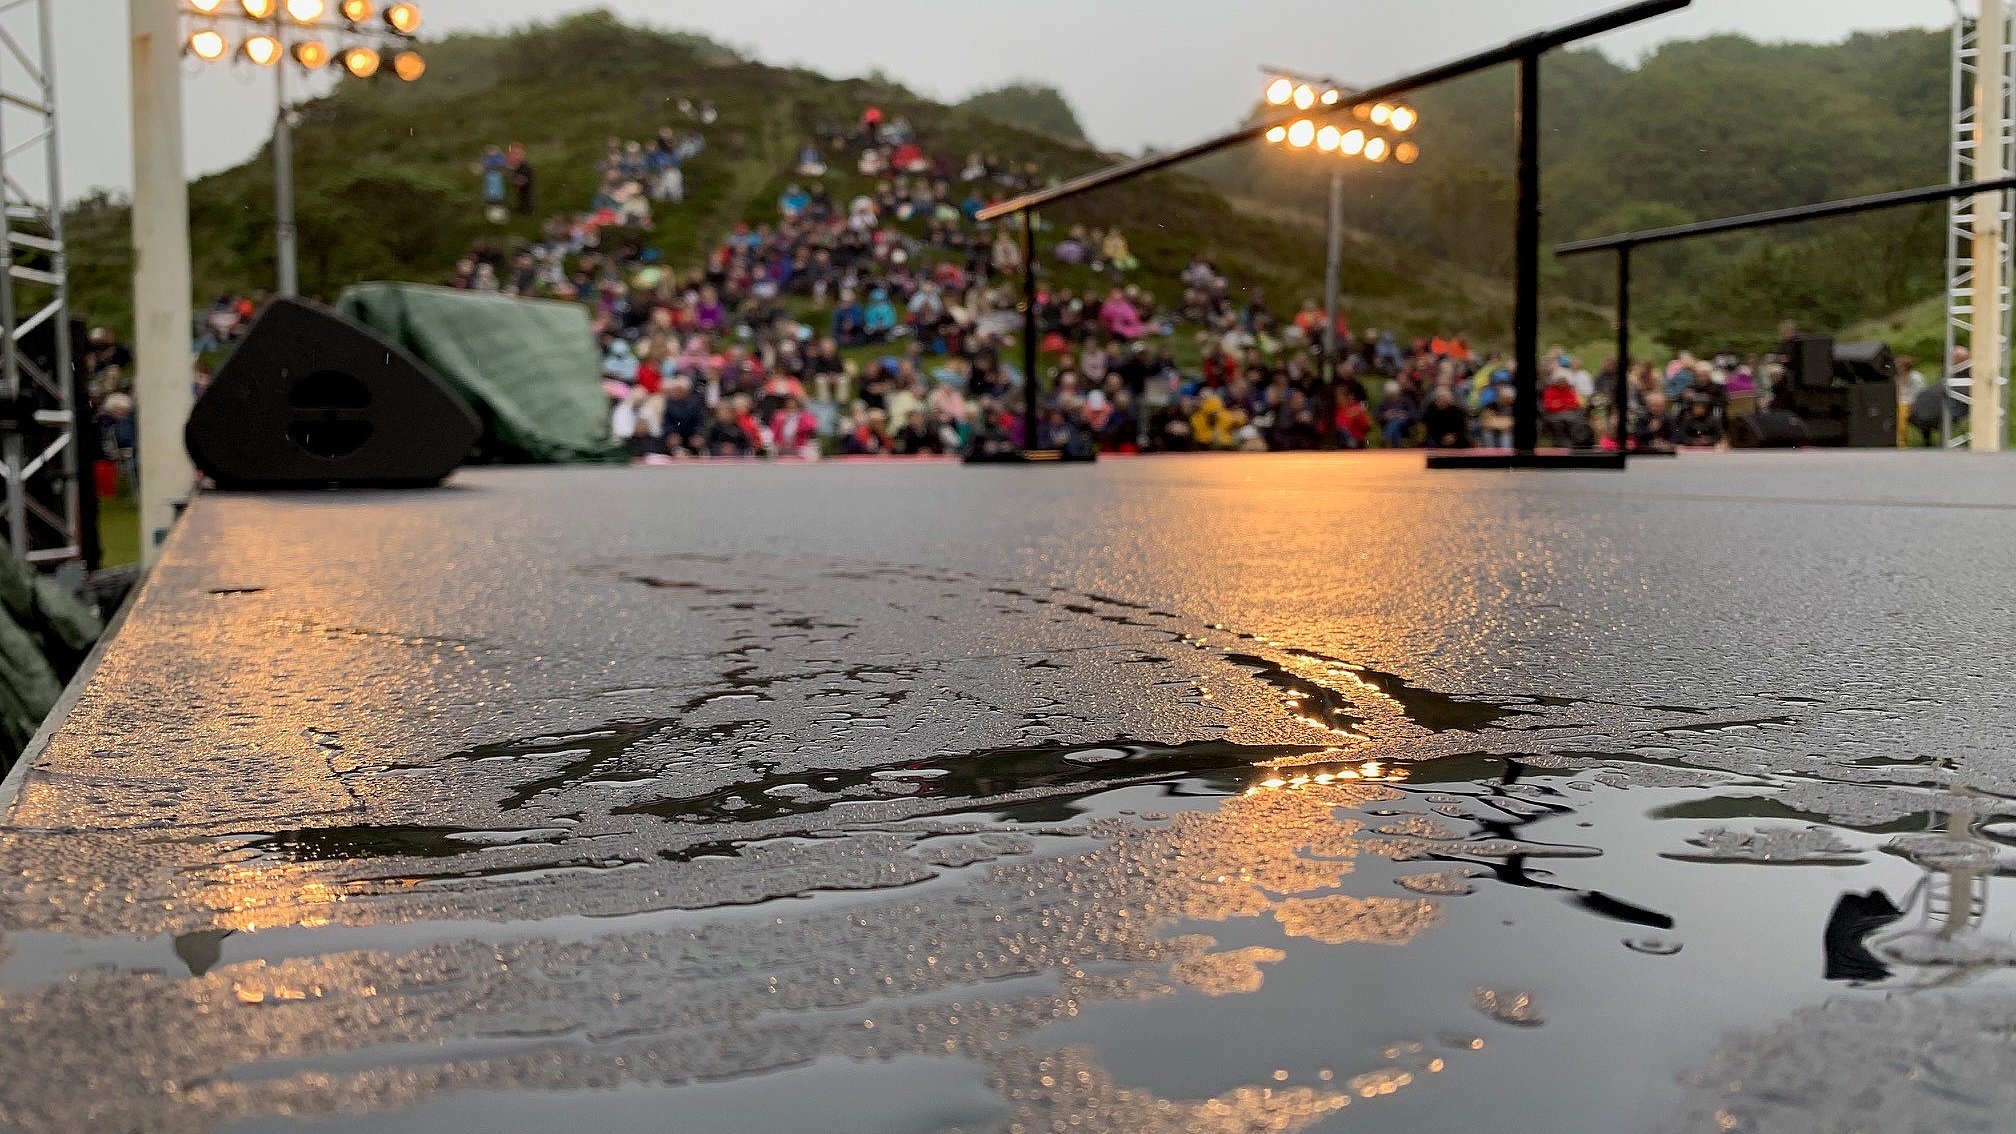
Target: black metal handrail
x=1624, y=243
x=1511, y=51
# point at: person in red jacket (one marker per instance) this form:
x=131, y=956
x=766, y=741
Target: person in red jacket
x=1354, y=421
x=1561, y=413
x=794, y=430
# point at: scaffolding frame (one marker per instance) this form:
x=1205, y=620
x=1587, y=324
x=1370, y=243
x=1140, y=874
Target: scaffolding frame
x=44, y=527
x=1960, y=273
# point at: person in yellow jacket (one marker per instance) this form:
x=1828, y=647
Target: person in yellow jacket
x=1214, y=426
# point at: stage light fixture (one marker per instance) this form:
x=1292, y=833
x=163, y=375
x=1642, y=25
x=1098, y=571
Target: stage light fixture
x=1406, y=153
x=1277, y=134
x=361, y=62
x=262, y=50
x=1352, y=143
x=1279, y=92
x=312, y=56
x=1382, y=114
x=1327, y=138
x=358, y=11
x=1375, y=149
x=306, y=11
x=1305, y=97
x=403, y=18
x=1301, y=133
x=1403, y=118
x=409, y=66
x=1331, y=96
x=208, y=45
x=259, y=9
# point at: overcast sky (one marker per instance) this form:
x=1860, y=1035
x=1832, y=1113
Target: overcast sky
x=1138, y=74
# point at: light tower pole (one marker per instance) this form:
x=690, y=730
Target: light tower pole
x=1366, y=141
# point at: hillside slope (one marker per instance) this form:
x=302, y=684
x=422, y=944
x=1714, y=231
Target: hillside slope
x=1697, y=130
x=386, y=188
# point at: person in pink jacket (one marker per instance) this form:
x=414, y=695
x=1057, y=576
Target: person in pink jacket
x=794, y=430
x=1119, y=317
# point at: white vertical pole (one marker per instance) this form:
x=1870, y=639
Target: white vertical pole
x=1990, y=352
x=1332, y=263
x=162, y=310
x=283, y=186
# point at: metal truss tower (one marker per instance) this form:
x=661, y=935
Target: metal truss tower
x=38, y=450
x=1961, y=273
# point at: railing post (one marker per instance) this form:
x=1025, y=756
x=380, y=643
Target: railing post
x=1526, y=304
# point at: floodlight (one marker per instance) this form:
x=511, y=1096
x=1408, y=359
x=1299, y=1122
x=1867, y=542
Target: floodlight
x=1279, y=92
x=1301, y=133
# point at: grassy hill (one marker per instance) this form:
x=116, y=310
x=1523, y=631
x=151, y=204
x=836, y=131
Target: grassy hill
x=386, y=189
x=1697, y=130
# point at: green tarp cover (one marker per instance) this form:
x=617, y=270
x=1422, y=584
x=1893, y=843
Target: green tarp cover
x=529, y=367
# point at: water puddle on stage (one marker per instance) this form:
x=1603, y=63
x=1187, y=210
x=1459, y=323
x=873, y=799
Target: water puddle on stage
x=1122, y=937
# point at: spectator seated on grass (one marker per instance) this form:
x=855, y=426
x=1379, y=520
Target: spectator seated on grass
x=1563, y=417
x=1447, y=424
x=1699, y=426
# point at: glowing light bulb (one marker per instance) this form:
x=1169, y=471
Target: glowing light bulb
x=409, y=65
x=259, y=9
x=1301, y=133
x=1375, y=149
x=311, y=55
x=208, y=46
x=361, y=62
x=1331, y=96
x=262, y=50
x=403, y=18
x=1406, y=153
x=1305, y=97
x=1403, y=118
x=1327, y=138
x=206, y=6
x=1279, y=92
x=306, y=11
x=1352, y=143
x=1382, y=114
x=1277, y=134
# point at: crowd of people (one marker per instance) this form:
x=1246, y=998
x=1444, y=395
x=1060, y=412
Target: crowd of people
x=875, y=315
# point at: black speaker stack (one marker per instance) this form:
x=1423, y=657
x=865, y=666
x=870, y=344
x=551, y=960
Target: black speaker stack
x=312, y=400
x=1831, y=396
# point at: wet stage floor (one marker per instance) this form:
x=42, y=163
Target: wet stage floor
x=1213, y=794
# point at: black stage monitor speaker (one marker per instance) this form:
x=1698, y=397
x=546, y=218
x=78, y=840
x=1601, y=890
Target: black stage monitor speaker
x=1770, y=429
x=1810, y=361
x=1865, y=362
x=1872, y=415
x=311, y=399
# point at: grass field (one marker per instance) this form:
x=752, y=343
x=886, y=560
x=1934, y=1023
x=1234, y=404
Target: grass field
x=119, y=531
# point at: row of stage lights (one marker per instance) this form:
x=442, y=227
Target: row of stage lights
x=264, y=48
x=1354, y=142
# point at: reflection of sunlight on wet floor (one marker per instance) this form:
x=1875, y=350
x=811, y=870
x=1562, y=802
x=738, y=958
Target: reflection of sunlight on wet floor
x=1352, y=933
